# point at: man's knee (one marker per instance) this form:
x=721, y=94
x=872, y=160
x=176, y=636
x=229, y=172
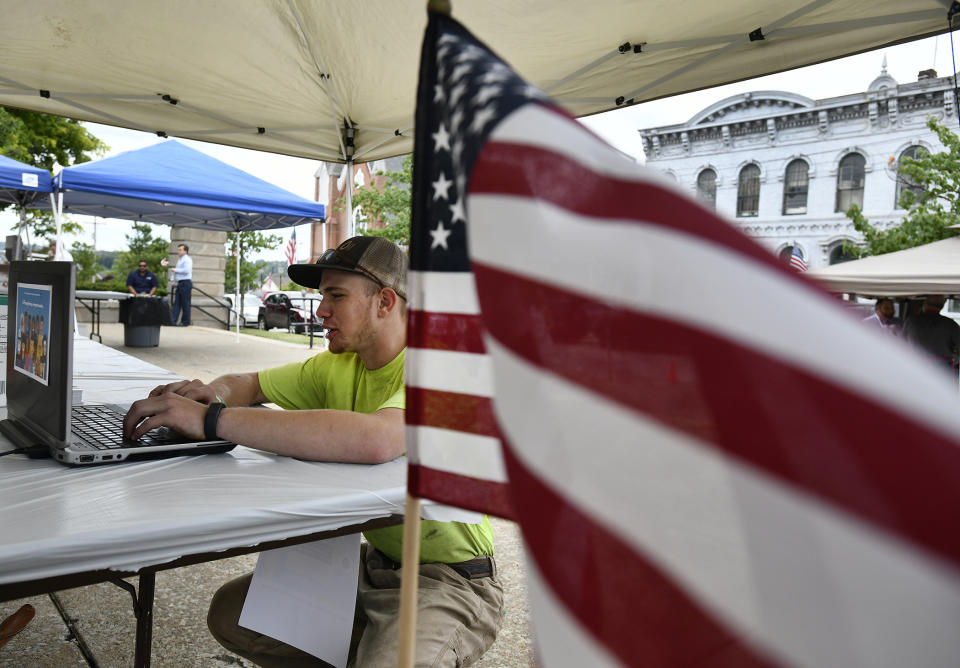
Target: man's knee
x=223, y=617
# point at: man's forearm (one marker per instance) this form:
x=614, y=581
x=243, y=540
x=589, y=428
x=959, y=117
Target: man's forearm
x=318, y=435
x=240, y=389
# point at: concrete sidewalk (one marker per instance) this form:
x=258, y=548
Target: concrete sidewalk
x=95, y=625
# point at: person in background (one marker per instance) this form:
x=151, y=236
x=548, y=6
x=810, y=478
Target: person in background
x=937, y=335
x=882, y=317
x=142, y=281
x=183, y=282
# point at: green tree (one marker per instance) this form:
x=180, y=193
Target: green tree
x=931, y=208
x=390, y=205
x=85, y=258
x=141, y=245
x=249, y=271
x=42, y=140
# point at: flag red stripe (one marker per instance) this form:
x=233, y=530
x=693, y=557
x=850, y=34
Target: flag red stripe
x=445, y=331
x=450, y=410
x=859, y=454
x=482, y=496
x=621, y=598
x=530, y=171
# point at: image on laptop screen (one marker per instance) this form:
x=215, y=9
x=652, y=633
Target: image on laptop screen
x=32, y=323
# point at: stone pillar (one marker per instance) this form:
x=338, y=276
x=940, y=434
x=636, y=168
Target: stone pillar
x=206, y=248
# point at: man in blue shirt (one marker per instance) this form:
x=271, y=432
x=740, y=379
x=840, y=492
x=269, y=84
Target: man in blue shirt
x=142, y=281
x=183, y=278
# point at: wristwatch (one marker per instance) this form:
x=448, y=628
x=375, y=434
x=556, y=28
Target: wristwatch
x=211, y=419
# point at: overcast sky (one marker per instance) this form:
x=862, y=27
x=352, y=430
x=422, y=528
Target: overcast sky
x=619, y=127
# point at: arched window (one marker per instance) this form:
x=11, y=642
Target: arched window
x=850, y=177
x=748, y=191
x=838, y=255
x=796, y=182
x=707, y=187
x=904, y=182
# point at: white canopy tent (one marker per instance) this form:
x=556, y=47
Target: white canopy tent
x=336, y=81
x=932, y=269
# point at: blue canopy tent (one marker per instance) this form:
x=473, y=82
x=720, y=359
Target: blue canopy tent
x=173, y=184
x=25, y=186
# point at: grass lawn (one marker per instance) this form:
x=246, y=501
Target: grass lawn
x=318, y=340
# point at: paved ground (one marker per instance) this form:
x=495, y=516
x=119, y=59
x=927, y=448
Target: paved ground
x=94, y=626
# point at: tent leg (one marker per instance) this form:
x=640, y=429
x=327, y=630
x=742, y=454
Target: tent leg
x=351, y=223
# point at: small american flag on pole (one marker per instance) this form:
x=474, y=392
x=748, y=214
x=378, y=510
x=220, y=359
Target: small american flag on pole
x=796, y=258
x=699, y=480
x=291, y=249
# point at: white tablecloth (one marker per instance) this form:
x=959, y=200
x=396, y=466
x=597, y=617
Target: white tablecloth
x=60, y=520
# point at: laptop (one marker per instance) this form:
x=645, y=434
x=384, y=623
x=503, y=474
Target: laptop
x=40, y=381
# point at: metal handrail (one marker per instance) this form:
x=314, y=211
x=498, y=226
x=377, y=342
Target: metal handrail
x=226, y=305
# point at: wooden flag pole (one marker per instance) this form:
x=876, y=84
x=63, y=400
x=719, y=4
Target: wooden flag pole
x=408, y=583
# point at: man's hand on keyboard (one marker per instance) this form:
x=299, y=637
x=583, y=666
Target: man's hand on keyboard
x=166, y=409
x=191, y=389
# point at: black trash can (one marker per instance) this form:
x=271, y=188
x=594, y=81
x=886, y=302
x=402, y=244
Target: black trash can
x=142, y=318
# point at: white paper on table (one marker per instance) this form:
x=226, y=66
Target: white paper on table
x=305, y=596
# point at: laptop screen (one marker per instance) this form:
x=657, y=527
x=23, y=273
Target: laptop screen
x=39, y=338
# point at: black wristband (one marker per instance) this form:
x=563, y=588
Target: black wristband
x=211, y=419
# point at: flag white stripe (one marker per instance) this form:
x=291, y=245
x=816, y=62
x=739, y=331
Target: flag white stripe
x=562, y=640
x=449, y=371
x=793, y=573
x=534, y=126
x=443, y=292
x=655, y=270
x=456, y=452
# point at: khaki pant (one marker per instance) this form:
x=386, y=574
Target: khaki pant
x=457, y=619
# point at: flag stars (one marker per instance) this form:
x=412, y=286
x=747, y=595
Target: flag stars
x=457, y=212
x=441, y=188
x=486, y=94
x=459, y=71
x=440, y=235
x=457, y=151
x=441, y=139
x=457, y=93
x=438, y=94
x=455, y=120
x=481, y=118
x=532, y=92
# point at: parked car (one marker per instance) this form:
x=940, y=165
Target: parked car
x=293, y=311
x=251, y=309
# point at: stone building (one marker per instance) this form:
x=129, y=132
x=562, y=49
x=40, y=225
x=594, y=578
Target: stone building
x=785, y=168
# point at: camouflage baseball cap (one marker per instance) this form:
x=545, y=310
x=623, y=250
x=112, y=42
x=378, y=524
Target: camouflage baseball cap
x=378, y=259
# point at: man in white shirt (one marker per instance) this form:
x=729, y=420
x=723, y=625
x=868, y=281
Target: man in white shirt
x=882, y=317
x=183, y=280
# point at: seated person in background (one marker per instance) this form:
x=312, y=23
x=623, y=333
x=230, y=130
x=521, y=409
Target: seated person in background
x=347, y=405
x=936, y=334
x=142, y=281
x=882, y=317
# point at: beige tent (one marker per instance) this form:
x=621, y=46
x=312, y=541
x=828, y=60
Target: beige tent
x=335, y=80
x=932, y=269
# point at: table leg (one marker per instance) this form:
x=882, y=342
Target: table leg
x=95, y=325
x=145, y=619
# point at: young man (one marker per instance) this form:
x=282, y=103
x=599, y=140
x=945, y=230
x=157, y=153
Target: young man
x=142, y=281
x=347, y=405
x=183, y=279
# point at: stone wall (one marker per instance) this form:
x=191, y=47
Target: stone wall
x=209, y=262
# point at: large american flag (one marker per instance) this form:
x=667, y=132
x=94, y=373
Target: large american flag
x=711, y=462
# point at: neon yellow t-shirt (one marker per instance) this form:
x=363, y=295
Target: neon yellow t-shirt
x=341, y=382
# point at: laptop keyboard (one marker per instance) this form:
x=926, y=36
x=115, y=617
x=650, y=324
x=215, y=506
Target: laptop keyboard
x=102, y=428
